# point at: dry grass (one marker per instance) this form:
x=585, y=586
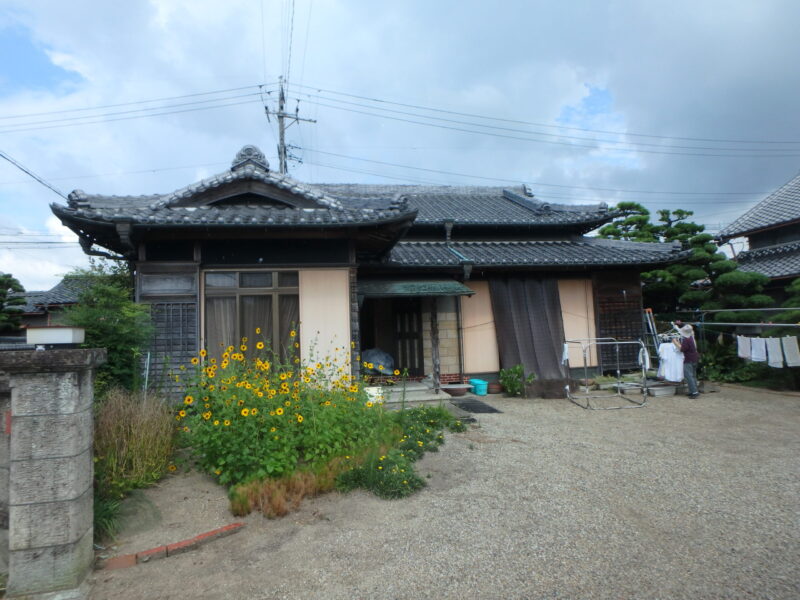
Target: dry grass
x=278, y=497
x=133, y=441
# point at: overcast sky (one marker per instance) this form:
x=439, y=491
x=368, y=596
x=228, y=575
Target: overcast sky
x=674, y=104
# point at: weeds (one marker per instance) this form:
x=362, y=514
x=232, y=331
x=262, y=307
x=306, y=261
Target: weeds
x=133, y=443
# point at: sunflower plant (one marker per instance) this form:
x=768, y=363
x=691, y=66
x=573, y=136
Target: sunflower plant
x=248, y=415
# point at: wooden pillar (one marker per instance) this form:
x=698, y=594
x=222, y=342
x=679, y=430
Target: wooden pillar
x=435, y=345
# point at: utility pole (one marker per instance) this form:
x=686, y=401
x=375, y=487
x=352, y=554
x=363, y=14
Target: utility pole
x=283, y=116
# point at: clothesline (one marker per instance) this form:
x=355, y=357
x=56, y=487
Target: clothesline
x=772, y=350
x=714, y=323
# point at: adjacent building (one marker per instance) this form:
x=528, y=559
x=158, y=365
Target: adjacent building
x=772, y=229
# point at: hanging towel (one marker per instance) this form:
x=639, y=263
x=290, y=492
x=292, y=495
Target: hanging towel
x=565, y=354
x=774, y=353
x=758, y=350
x=743, y=346
x=791, y=351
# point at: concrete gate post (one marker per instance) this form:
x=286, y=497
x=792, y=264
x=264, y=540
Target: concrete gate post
x=50, y=500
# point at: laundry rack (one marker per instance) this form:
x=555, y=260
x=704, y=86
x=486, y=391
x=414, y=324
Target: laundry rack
x=586, y=345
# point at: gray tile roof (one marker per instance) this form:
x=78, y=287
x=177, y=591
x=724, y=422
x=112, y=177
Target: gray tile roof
x=330, y=204
x=176, y=209
x=774, y=261
x=580, y=252
x=243, y=215
x=65, y=292
x=780, y=207
x=476, y=205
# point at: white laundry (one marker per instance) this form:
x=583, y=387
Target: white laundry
x=758, y=350
x=774, y=353
x=743, y=346
x=670, y=364
x=565, y=354
x=644, y=359
x=791, y=351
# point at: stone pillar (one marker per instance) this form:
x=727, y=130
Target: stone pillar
x=50, y=499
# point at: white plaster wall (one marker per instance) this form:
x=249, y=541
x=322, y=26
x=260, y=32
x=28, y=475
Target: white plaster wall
x=324, y=314
x=480, y=337
x=577, y=312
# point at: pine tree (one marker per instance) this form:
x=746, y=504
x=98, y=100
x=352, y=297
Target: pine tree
x=706, y=279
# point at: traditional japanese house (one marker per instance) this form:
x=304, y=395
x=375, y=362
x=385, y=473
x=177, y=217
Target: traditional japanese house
x=450, y=281
x=772, y=229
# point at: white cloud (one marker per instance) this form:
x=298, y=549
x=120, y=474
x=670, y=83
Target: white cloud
x=712, y=70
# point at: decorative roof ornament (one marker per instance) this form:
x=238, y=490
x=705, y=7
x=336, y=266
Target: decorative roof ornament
x=250, y=155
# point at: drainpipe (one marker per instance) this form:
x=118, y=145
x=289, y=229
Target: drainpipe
x=466, y=266
x=460, y=336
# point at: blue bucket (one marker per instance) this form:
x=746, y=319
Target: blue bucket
x=479, y=386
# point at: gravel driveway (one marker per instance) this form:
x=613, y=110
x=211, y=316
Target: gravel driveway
x=681, y=499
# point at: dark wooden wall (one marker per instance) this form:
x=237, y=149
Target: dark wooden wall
x=618, y=306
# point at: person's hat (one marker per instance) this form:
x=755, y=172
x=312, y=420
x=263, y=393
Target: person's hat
x=686, y=330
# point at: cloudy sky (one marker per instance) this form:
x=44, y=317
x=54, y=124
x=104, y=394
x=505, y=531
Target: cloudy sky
x=674, y=104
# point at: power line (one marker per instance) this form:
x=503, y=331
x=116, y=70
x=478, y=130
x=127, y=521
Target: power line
x=538, y=141
x=159, y=114
x=291, y=41
x=27, y=171
x=534, y=183
x=133, y=102
x=138, y=172
x=551, y=135
x=143, y=111
x=535, y=124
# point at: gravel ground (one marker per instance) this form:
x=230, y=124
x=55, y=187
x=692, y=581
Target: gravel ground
x=680, y=499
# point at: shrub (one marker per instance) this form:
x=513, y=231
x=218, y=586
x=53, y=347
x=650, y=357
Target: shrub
x=112, y=321
x=390, y=474
x=133, y=443
x=513, y=380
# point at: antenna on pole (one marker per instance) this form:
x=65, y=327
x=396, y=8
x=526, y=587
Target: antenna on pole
x=285, y=120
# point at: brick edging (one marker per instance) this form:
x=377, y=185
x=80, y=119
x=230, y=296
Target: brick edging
x=129, y=560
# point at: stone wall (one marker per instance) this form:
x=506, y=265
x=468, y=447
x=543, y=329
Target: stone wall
x=5, y=441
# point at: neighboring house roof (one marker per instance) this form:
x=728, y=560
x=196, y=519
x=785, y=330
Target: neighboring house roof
x=775, y=262
x=781, y=207
x=581, y=252
x=66, y=292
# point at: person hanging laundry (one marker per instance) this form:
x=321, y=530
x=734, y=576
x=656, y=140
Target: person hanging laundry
x=758, y=350
x=774, y=353
x=690, y=357
x=743, y=346
x=791, y=351
x=670, y=362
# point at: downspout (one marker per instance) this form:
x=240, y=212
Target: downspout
x=466, y=266
x=460, y=340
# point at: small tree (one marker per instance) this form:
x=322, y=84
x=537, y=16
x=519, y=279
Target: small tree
x=10, y=305
x=112, y=321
